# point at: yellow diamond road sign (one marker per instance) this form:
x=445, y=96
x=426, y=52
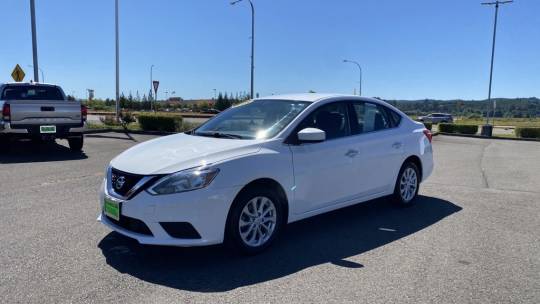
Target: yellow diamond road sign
x=18, y=73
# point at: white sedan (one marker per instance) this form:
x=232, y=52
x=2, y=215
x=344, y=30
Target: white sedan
x=244, y=174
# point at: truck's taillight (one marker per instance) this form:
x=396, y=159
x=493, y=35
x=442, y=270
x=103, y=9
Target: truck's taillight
x=6, y=112
x=428, y=134
x=84, y=112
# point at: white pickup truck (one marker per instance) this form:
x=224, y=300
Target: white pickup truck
x=41, y=112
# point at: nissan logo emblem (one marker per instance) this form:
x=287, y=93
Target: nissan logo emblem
x=119, y=183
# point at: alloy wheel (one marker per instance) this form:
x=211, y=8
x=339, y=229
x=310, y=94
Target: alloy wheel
x=408, y=184
x=257, y=221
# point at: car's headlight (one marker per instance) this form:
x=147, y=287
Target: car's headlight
x=182, y=181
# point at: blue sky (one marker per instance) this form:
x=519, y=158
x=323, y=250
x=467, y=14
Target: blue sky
x=408, y=49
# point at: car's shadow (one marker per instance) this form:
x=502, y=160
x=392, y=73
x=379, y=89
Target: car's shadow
x=328, y=238
x=25, y=151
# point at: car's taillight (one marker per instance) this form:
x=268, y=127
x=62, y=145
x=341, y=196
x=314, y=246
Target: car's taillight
x=84, y=112
x=428, y=134
x=6, y=112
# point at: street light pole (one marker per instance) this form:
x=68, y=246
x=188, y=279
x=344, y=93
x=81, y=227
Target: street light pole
x=360, y=68
x=252, y=45
x=496, y=3
x=151, y=85
x=34, y=39
x=117, y=62
x=41, y=70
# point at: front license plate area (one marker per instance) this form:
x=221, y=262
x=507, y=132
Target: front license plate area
x=111, y=209
x=47, y=129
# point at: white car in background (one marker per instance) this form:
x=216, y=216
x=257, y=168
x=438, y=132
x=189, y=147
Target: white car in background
x=244, y=174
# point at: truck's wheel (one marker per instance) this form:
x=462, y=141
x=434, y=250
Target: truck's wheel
x=76, y=143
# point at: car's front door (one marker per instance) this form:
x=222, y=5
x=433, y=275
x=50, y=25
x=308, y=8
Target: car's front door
x=324, y=172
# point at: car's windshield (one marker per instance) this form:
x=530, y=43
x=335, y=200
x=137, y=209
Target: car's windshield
x=257, y=119
x=31, y=92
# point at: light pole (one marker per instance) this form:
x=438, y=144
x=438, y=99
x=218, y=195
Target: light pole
x=151, y=79
x=496, y=3
x=41, y=70
x=360, y=68
x=117, y=115
x=252, y=43
x=34, y=39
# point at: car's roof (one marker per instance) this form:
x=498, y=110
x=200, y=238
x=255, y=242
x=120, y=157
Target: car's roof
x=314, y=97
x=27, y=83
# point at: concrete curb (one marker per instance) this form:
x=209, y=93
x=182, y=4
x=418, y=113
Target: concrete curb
x=484, y=137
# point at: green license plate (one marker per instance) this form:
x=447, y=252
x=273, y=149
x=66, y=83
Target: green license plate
x=47, y=129
x=111, y=209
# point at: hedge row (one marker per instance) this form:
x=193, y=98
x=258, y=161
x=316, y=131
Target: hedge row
x=455, y=128
x=526, y=132
x=160, y=122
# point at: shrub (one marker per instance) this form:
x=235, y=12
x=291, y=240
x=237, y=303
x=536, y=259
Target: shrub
x=109, y=120
x=466, y=129
x=428, y=125
x=126, y=118
x=446, y=128
x=455, y=128
x=160, y=122
x=526, y=132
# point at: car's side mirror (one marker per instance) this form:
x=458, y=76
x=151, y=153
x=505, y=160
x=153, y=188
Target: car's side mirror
x=311, y=135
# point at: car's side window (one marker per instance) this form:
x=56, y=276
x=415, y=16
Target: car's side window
x=395, y=117
x=331, y=118
x=371, y=117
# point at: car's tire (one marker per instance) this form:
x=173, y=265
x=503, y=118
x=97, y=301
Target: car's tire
x=255, y=220
x=76, y=143
x=407, y=184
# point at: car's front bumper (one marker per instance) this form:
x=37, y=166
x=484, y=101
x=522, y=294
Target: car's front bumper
x=204, y=209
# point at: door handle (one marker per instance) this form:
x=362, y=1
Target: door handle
x=396, y=145
x=351, y=153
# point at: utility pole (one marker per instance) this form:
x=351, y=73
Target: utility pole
x=34, y=40
x=117, y=115
x=496, y=3
x=252, y=45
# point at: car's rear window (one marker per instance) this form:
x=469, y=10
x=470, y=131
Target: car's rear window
x=32, y=92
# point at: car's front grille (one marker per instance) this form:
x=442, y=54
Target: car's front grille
x=122, y=182
x=131, y=224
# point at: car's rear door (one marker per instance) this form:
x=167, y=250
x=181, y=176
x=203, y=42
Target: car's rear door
x=324, y=172
x=379, y=141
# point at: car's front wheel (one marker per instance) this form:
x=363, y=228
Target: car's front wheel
x=407, y=184
x=255, y=220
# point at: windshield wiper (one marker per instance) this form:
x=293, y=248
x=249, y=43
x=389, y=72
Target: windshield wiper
x=219, y=135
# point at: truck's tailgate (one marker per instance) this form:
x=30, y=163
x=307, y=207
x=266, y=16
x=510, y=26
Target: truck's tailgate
x=32, y=112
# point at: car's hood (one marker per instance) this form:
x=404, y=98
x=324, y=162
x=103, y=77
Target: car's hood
x=177, y=152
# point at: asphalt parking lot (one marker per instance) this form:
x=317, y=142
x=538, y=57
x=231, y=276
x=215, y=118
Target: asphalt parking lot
x=473, y=237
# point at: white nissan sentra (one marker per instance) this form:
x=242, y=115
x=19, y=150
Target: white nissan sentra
x=247, y=172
